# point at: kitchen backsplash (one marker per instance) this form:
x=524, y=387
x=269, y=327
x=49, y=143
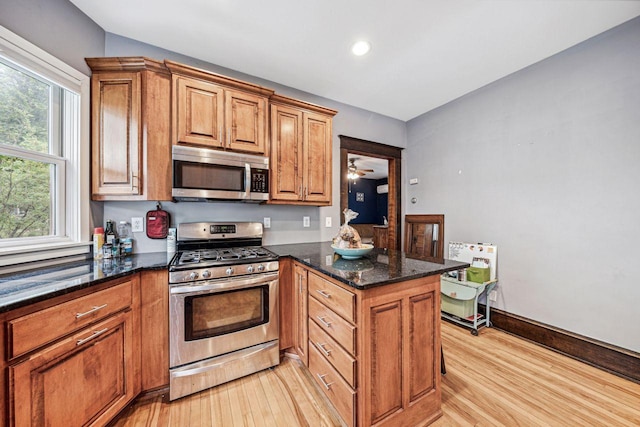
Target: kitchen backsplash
x=286, y=221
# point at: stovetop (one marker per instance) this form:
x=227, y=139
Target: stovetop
x=206, y=257
x=214, y=250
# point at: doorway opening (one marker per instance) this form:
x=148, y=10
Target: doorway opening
x=354, y=147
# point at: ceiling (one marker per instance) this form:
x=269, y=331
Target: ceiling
x=380, y=166
x=424, y=53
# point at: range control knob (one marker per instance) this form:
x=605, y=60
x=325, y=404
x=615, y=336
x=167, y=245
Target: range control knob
x=261, y=267
x=206, y=274
x=250, y=269
x=193, y=276
x=229, y=271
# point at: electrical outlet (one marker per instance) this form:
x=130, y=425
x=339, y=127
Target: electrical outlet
x=306, y=221
x=327, y=222
x=266, y=222
x=137, y=224
x=493, y=296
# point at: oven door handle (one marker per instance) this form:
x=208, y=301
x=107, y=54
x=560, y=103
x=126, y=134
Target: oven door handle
x=220, y=285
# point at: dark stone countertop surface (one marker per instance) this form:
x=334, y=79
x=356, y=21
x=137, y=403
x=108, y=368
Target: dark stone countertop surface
x=31, y=286
x=379, y=267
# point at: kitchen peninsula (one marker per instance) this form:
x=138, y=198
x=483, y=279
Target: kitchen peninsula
x=368, y=330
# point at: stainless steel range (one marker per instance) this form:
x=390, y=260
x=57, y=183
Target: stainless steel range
x=223, y=303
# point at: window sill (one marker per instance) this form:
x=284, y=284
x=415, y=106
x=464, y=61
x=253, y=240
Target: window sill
x=45, y=254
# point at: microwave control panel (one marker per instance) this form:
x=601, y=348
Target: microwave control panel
x=259, y=180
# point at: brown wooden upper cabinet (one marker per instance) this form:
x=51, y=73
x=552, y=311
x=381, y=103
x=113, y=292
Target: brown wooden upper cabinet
x=424, y=237
x=217, y=111
x=130, y=141
x=300, y=157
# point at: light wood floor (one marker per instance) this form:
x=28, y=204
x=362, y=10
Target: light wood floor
x=494, y=379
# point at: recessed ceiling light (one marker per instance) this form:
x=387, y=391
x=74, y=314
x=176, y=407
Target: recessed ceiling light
x=360, y=48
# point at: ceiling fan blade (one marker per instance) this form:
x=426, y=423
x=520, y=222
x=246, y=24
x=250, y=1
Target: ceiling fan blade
x=365, y=170
x=360, y=173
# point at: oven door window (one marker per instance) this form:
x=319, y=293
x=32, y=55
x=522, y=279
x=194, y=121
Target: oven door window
x=222, y=313
x=206, y=176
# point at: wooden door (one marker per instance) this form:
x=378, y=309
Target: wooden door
x=286, y=153
x=198, y=112
x=115, y=105
x=301, y=314
x=85, y=379
x=424, y=236
x=317, y=159
x=245, y=121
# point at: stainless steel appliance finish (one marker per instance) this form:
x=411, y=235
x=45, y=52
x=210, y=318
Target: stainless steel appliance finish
x=202, y=174
x=223, y=306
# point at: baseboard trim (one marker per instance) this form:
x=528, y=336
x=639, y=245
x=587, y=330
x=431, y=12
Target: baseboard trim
x=616, y=360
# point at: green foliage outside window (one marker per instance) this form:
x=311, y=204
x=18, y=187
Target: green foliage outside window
x=25, y=185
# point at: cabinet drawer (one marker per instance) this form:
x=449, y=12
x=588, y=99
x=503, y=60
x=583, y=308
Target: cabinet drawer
x=334, y=387
x=335, y=326
x=336, y=355
x=333, y=296
x=29, y=332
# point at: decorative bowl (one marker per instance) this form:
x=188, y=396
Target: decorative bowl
x=353, y=253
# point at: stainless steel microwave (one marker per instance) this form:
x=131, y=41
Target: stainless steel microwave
x=202, y=174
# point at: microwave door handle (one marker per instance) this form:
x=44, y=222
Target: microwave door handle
x=247, y=181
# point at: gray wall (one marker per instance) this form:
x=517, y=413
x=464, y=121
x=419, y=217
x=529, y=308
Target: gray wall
x=286, y=221
x=545, y=164
x=56, y=26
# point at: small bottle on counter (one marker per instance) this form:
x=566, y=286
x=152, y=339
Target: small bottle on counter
x=98, y=241
x=109, y=233
x=126, y=242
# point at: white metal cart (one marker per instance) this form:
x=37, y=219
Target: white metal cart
x=460, y=297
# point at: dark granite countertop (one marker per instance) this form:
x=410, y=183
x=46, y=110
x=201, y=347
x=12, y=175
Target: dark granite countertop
x=20, y=289
x=379, y=267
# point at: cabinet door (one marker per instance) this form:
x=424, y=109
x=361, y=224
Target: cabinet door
x=287, y=298
x=245, y=121
x=154, y=326
x=85, y=379
x=198, y=112
x=286, y=153
x=301, y=314
x=317, y=159
x=115, y=106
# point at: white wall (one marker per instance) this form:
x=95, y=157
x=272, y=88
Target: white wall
x=286, y=221
x=545, y=164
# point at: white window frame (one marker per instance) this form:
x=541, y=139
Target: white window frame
x=75, y=239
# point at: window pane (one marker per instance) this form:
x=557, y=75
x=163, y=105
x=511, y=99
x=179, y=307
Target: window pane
x=26, y=189
x=24, y=110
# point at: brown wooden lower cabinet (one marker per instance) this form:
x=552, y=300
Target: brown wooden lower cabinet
x=86, y=366
x=376, y=356
x=154, y=329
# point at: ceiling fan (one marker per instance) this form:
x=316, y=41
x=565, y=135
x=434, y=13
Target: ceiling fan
x=353, y=172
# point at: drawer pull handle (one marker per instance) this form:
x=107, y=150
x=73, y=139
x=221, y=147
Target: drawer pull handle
x=93, y=310
x=324, y=350
x=324, y=383
x=92, y=336
x=324, y=322
x=323, y=293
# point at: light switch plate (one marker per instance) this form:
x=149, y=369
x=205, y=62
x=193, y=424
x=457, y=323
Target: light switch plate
x=493, y=296
x=306, y=221
x=266, y=222
x=137, y=224
x=327, y=222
